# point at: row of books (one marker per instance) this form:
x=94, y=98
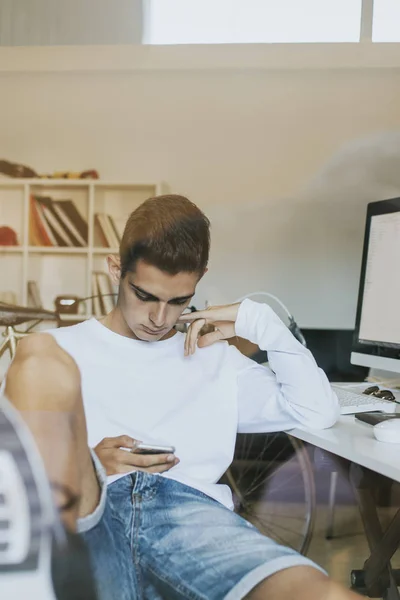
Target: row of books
x=59, y=223
x=56, y=223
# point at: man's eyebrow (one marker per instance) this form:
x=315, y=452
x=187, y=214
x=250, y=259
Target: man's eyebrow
x=139, y=289
x=178, y=299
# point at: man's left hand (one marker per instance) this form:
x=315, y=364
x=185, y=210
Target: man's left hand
x=221, y=318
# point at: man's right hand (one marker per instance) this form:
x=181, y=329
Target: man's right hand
x=115, y=460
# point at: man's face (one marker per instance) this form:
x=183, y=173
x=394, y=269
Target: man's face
x=151, y=301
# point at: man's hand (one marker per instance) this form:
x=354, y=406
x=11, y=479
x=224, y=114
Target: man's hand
x=115, y=460
x=221, y=319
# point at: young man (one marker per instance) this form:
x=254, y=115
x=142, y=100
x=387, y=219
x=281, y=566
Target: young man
x=163, y=527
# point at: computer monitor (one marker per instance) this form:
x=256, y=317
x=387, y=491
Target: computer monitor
x=376, y=342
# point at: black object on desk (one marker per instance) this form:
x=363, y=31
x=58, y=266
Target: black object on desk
x=373, y=418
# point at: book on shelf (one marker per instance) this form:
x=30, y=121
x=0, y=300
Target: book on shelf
x=34, y=298
x=117, y=235
x=73, y=220
x=39, y=233
x=103, y=292
x=56, y=223
x=99, y=238
x=106, y=233
x=58, y=230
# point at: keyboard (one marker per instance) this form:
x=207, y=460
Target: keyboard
x=352, y=402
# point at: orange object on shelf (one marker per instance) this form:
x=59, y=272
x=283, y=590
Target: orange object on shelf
x=8, y=237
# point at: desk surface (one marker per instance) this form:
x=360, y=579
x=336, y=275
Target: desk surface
x=355, y=441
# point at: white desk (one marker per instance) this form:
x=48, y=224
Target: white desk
x=355, y=441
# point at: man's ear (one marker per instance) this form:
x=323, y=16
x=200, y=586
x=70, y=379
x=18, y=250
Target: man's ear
x=114, y=268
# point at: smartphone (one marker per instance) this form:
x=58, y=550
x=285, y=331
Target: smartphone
x=144, y=448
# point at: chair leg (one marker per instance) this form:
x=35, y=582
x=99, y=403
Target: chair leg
x=331, y=506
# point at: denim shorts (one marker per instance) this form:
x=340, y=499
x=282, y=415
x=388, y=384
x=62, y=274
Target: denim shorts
x=157, y=539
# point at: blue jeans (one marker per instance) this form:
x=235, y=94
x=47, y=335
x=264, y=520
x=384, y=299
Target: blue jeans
x=158, y=538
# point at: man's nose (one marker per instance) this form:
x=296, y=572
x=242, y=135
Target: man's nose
x=159, y=315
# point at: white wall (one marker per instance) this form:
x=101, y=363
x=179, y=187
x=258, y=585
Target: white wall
x=244, y=145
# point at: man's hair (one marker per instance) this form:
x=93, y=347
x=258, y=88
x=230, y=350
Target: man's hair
x=168, y=232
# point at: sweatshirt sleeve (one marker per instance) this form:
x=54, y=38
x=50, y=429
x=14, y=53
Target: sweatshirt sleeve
x=292, y=391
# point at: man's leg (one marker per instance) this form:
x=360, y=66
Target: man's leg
x=43, y=384
x=300, y=583
x=192, y=546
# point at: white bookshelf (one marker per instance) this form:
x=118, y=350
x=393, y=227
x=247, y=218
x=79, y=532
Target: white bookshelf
x=62, y=270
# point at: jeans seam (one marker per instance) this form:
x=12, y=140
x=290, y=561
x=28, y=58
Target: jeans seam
x=135, y=548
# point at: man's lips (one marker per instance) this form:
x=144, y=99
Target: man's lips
x=152, y=331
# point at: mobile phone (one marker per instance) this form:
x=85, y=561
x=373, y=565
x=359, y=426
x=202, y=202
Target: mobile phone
x=144, y=448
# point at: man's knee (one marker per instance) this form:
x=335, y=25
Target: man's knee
x=40, y=363
x=41, y=344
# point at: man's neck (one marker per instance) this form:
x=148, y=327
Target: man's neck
x=116, y=323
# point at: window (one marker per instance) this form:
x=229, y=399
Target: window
x=252, y=21
x=386, y=24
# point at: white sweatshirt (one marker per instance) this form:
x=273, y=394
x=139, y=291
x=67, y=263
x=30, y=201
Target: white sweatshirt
x=152, y=392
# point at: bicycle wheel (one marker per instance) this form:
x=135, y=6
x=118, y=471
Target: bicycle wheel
x=272, y=482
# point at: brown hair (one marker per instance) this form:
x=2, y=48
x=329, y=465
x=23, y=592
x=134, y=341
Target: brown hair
x=168, y=232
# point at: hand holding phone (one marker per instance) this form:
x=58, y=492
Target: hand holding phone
x=119, y=455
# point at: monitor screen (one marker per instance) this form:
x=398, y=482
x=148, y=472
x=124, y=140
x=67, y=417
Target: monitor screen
x=378, y=312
